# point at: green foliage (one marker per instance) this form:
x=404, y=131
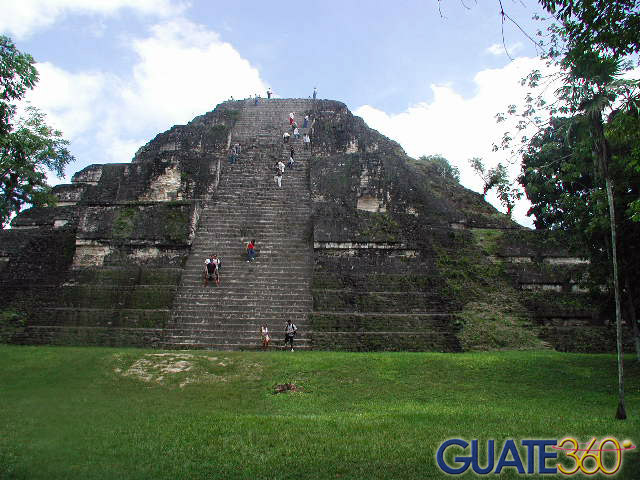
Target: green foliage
x=488, y=239
x=492, y=315
x=496, y=327
x=612, y=26
x=442, y=166
x=124, y=222
x=28, y=148
x=177, y=226
x=12, y=322
x=379, y=226
x=568, y=193
x=497, y=177
x=17, y=75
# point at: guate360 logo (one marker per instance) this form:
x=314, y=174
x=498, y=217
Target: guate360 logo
x=594, y=456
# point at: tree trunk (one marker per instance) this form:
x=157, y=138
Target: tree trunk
x=603, y=155
x=621, y=412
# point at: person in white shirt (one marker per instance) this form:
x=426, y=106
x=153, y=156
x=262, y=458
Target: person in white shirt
x=285, y=137
x=289, y=332
x=279, y=170
x=264, y=331
x=212, y=270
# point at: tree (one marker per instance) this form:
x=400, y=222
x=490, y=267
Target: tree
x=498, y=178
x=17, y=75
x=590, y=44
x=442, y=166
x=589, y=48
x=591, y=63
x=568, y=193
x=28, y=146
x=492, y=177
x=610, y=25
x=508, y=194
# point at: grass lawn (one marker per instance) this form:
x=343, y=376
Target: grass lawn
x=99, y=413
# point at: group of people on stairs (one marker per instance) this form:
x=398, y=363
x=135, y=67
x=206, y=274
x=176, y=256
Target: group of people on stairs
x=256, y=98
x=213, y=264
x=234, y=152
x=279, y=166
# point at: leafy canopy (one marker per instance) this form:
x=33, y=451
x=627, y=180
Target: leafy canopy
x=28, y=146
x=442, y=166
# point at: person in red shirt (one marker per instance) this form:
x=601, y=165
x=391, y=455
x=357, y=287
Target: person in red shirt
x=251, y=251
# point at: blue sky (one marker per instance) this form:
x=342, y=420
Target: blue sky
x=116, y=73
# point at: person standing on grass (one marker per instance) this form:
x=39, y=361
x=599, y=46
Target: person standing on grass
x=264, y=331
x=251, y=251
x=289, y=333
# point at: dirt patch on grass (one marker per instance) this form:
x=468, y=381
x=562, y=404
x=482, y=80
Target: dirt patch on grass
x=287, y=387
x=183, y=369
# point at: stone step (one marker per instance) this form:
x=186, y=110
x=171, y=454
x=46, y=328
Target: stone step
x=226, y=346
x=247, y=205
x=275, y=320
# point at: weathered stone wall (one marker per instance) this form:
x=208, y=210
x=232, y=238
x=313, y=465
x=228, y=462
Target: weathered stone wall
x=103, y=267
x=404, y=259
x=396, y=243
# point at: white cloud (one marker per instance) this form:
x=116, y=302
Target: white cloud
x=498, y=49
x=461, y=128
x=21, y=18
x=58, y=90
x=182, y=70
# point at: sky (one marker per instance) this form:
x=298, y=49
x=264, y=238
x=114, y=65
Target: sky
x=114, y=73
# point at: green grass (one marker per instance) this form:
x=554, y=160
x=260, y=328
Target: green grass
x=70, y=413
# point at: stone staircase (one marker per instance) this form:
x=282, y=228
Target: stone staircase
x=248, y=205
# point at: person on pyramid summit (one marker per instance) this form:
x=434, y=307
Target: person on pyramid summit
x=269, y=92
